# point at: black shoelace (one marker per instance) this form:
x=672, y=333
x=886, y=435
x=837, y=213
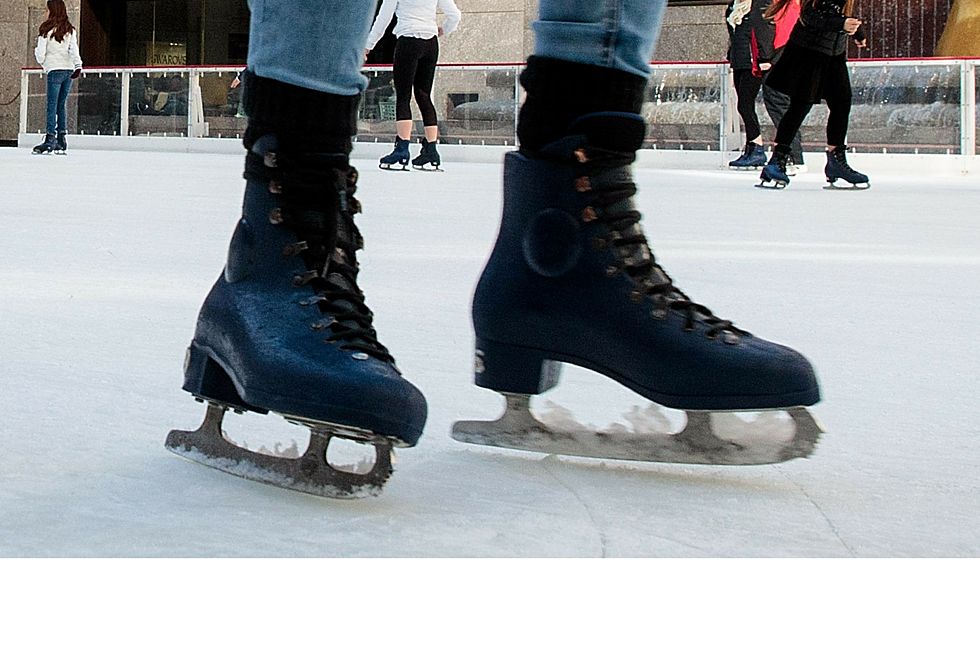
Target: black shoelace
x=311, y=187
x=609, y=181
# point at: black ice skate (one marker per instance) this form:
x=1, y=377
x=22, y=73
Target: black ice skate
x=61, y=144
x=774, y=173
x=429, y=156
x=753, y=157
x=838, y=168
x=47, y=147
x=398, y=156
x=572, y=280
x=285, y=329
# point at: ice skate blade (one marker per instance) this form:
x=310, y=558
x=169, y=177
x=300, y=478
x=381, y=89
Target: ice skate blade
x=776, y=185
x=310, y=473
x=434, y=168
x=519, y=429
x=390, y=167
x=832, y=185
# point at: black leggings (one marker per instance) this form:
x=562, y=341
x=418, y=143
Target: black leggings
x=747, y=88
x=840, y=112
x=415, y=68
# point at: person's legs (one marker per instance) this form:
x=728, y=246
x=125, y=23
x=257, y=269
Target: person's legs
x=63, y=90
x=776, y=106
x=590, y=56
x=285, y=328
x=425, y=75
x=406, y=61
x=839, y=104
x=572, y=279
x=54, y=79
x=792, y=120
x=747, y=89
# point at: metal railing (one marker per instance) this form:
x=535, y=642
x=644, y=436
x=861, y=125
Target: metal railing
x=901, y=105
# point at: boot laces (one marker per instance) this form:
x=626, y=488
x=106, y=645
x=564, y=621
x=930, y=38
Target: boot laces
x=609, y=181
x=311, y=187
x=840, y=155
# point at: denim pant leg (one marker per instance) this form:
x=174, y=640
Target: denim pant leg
x=617, y=34
x=63, y=90
x=317, y=45
x=53, y=90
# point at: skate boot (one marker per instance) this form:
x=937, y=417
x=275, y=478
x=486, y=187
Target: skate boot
x=398, y=156
x=47, y=147
x=429, y=156
x=753, y=157
x=837, y=168
x=61, y=144
x=286, y=329
x=775, y=171
x=572, y=280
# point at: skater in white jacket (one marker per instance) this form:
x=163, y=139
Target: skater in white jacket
x=57, y=52
x=416, y=54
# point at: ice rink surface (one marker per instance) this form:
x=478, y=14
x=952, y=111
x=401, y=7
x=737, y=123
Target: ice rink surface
x=105, y=258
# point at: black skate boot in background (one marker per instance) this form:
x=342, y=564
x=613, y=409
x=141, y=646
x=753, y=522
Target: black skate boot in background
x=753, y=157
x=286, y=328
x=429, y=156
x=838, y=168
x=47, y=147
x=572, y=280
x=398, y=156
x=775, y=171
x=61, y=144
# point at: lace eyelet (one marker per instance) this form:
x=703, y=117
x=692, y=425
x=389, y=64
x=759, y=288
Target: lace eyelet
x=711, y=336
x=275, y=216
x=582, y=184
x=302, y=278
x=731, y=339
x=275, y=187
x=659, y=313
x=320, y=325
x=636, y=296
x=294, y=248
x=612, y=271
x=588, y=214
x=269, y=160
x=581, y=156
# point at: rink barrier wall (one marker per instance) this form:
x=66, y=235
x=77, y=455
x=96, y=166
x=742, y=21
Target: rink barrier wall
x=908, y=106
x=367, y=154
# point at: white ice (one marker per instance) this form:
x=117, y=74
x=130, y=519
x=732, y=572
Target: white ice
x=105, y=258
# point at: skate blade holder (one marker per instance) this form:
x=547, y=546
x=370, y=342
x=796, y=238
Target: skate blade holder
x=390, y=166
x=311, y=473
x=696, y=444
x=433, y=168
x=832, y=185
x=772, y=184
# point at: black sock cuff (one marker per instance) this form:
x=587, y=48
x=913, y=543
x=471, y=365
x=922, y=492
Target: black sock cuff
x=301, y=118
x=559, y=92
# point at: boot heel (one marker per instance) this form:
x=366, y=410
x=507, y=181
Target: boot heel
x=508, y=368
x=204, y=378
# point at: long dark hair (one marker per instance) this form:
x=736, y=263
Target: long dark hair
x=778, y=5
x=57, y=24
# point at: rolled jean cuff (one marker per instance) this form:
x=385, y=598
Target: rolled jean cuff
x=590, y=44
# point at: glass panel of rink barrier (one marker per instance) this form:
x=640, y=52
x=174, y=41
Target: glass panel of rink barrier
x=900, y=107
x=36, y=102
x=976, y=105
x=474, y=105
x=158, y=103
x=223, y=110
x=683, y=107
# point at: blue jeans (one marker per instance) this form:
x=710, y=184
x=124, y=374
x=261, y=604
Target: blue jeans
x=320, y=45
x=59, y=83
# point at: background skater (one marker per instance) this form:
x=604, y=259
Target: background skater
x=57, y=52
x=416, y=55
x=814, y=67
x=750, y=51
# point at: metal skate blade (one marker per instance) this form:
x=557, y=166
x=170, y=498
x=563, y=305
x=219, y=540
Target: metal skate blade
x=696, y=444
x=310, y=473
x=433, y=169
x=833, y=186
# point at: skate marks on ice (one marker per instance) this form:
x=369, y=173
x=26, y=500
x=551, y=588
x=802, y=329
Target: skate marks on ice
x=719, y=438
x=311, y=473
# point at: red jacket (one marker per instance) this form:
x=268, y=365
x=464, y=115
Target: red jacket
x=785, y=21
